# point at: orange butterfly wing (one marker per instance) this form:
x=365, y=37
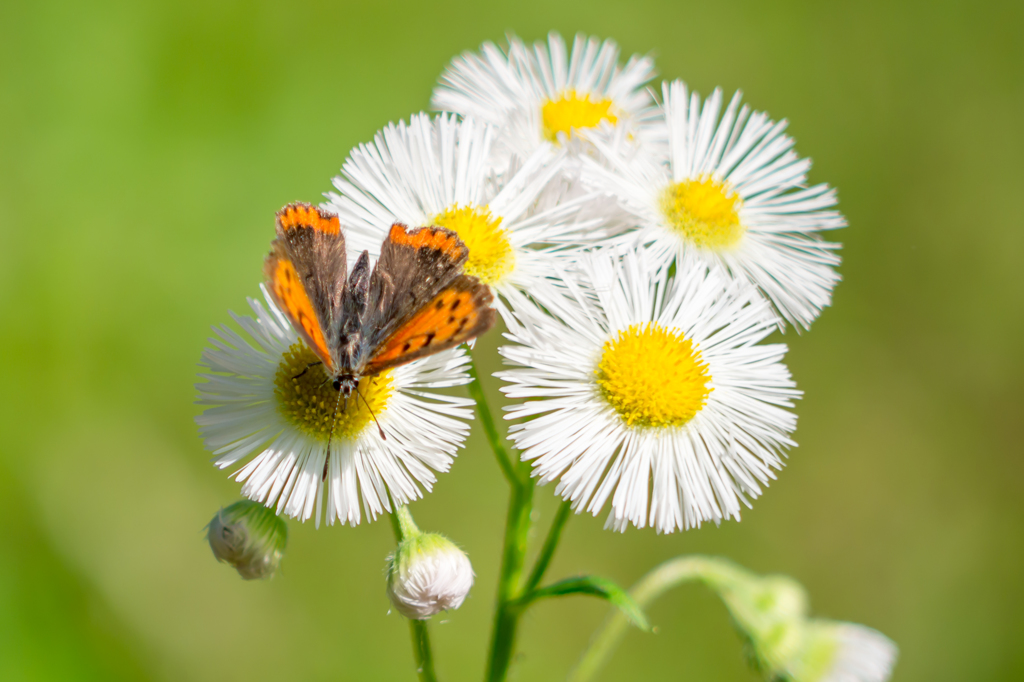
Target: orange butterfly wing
x=438, y=238
x=459, y=313
x=305, y=272
x=302, y=215
x=291, y=297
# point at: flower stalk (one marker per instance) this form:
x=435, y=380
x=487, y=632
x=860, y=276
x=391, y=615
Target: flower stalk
x=476, y=391
x=510, y=585
x=517, y=530
x=547, y=551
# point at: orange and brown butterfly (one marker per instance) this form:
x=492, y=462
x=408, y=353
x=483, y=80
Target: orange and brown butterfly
x=415, y=302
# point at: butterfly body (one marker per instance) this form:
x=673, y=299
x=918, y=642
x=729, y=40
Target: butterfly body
x=414, y=302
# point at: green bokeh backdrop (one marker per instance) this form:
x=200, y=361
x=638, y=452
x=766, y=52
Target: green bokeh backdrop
x=145, y=147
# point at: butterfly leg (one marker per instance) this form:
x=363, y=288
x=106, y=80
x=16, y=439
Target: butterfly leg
x=312, y=364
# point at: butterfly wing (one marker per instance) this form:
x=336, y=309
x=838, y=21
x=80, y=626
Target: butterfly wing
x=461, y=311
x=411, y=293
x=305, y=273
x=414, y=265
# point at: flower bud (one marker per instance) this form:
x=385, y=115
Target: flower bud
x=771, y=614
x=428, y=574
x=250, y=537
x=783, y=643
x=842, y=652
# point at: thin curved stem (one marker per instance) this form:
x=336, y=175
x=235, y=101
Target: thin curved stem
x=547, y=552
x=660, y=579
x=403, y=524
x=476, y=390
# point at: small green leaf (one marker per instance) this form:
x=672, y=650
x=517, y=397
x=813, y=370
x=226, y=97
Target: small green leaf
x=597, y=587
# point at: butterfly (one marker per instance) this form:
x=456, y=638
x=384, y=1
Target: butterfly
x=414, y=302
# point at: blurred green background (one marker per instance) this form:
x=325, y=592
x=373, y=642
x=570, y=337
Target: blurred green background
x=145, y=147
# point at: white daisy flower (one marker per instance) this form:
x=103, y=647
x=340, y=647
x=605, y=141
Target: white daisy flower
x=731, y=192
x=435, y=172
x=634, y=386
x=261, y=396
x=539, y=96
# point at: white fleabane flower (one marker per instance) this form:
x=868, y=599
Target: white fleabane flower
x=731, y=192
x=632, y=386
x=538, y=96
x=435, y=172
x=261, y=395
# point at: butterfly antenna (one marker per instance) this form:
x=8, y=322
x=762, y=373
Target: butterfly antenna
x=334, y=422
x=370, y=409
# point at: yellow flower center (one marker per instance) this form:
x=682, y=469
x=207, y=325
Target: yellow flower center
x=572, y=111
x=653, y=376
x=705, y=211
x=307, y=399
x=491, y=257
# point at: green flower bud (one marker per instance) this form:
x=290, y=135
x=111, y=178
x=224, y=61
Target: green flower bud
x=428, y=574
x=771, y=614
x=250, y=537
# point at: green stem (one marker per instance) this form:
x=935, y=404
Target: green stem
x=517, y=531
x=550, y=543
x=507, y=611
x=476, y=390
x=402, y=523
x=660, y=579
x=421, y=649
x=404, y=527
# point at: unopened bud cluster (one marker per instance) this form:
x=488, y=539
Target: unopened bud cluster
x=250, y=537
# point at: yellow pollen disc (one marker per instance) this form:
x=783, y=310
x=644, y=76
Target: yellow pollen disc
x=653, y=376
x=705, y=210
x=572, y=111
x=308, y=401
x=491, y=257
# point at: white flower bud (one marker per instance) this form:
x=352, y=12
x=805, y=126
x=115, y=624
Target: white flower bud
x=843, y=652
x=428, y=574
x=250, y=537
